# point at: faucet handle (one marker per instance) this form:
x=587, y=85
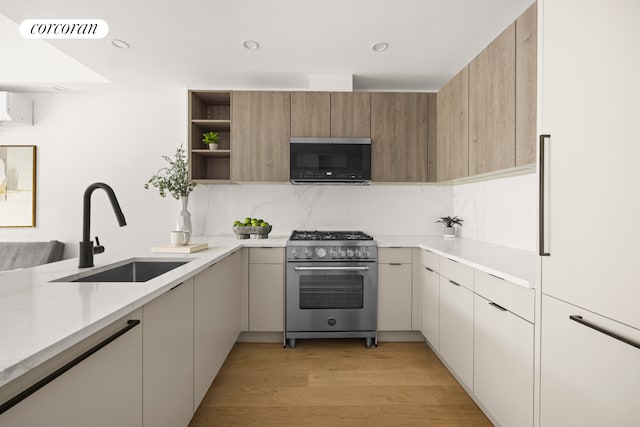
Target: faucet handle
x=98, y=248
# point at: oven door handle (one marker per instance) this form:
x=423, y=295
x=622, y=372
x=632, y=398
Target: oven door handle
x=297, y=268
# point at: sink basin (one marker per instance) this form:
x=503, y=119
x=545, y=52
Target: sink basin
x=133, y=270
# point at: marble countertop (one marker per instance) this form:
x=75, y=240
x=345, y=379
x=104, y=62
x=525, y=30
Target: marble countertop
x=40, y=318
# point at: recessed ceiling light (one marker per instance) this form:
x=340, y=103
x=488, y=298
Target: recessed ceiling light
x=380, y=47
x=120, y=44
x=60, y=88
x=251, y=44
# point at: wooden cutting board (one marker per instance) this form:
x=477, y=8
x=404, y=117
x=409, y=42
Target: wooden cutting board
x=186, y=249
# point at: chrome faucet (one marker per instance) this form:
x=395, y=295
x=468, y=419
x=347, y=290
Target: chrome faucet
x=87, y=250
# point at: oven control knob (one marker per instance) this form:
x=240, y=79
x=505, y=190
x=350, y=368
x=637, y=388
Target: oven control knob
x=307, y=253
x=321, y=252
x=333, y=253
x=350, y=253
x=359, y=253
x=295, y=253
x=342, y=254
x=331, y=321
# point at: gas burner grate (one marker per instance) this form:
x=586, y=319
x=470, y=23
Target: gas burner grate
x=329, y=235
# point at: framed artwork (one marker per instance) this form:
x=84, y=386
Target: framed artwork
x=17, y=185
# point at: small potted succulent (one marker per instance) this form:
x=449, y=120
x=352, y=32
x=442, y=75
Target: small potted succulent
x=211, y=139
x=449, y=225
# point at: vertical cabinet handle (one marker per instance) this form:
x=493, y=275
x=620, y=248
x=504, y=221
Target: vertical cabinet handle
x=541, y=214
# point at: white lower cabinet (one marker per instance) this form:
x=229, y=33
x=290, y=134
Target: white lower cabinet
x=588, y=378
x=168, y=358
x=217, y=320
x=395, y=271
x=105, y=389
x=431, y=307
x=503, y=363
x=266, y=289
x=456, y=329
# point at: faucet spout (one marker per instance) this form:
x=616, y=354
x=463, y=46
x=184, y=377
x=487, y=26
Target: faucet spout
x=86, y=245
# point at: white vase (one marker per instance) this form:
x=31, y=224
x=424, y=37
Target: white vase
x=213, y=146
x=449, y=232
x=184, y=217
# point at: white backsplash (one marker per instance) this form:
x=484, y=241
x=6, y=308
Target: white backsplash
x=376, y=209
x=502, y=211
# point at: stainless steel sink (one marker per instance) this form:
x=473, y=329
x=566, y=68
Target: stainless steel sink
x=132, y=270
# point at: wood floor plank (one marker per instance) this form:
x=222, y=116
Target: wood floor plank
x=337, y=383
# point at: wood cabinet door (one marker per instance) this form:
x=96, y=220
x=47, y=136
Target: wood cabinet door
x=266, y=297
x=592, y=205
x=399, y=133
x=217, y=320
x=503, y=364
x=104, y=390
x=260, y=134
x=311, y=114
x=587, y=378
x=456, y=329
x=492, y=100
x=351, y=114
x=394, y=297
x=453, y=128
x=168, y=358
x=526, y=85
x=431, y=307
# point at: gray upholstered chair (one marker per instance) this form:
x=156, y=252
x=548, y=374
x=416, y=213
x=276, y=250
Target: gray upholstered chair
x=15, y=255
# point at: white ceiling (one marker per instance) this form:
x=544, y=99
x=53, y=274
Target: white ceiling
x=198, y=43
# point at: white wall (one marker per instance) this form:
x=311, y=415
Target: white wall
x=118, y=138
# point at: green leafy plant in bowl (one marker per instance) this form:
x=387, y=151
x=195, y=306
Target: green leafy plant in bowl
x=449, y=225
x=211, y=139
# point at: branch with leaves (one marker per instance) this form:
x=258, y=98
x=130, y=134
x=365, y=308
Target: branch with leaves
x=173, y=178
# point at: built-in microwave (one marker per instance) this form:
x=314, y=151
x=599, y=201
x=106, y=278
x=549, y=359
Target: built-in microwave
x=330, y=161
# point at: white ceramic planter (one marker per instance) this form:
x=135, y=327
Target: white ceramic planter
x=214, y=146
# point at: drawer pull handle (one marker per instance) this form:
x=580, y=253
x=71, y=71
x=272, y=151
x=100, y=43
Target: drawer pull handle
x=499, y=307
x=52, y=376
x=430, y=269
x=579, y=319
x=454, y=283
x=497, y=277
x=395, y=263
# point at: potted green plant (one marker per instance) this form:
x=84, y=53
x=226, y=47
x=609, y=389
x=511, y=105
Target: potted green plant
x=212, y=139
x=449, y=225
x=174, y=179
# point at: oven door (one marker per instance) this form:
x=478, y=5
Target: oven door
x=331, y=296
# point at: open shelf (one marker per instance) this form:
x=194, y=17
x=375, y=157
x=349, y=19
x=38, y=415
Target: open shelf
x=209, y=111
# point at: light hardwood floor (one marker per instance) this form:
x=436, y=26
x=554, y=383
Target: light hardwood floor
x=336, y=383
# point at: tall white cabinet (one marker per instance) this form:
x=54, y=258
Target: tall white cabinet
x=589, y=106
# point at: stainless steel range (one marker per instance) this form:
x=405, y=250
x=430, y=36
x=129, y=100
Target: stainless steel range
x=331, y=286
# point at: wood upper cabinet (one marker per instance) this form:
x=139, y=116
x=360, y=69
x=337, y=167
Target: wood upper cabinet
x=453, y=128
x=311, y=114
x=399, y=132
x=492, y=116
x=351, y=114
x=260, y=133
x=526, y=85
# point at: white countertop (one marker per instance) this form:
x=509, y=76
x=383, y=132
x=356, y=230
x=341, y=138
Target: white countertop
x=40, y=319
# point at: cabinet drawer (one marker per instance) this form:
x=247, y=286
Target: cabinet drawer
x=587, y=377
x=430, y=260
x=395, y=255
x=266, y=255
x=459, y=273
x=515, y=298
